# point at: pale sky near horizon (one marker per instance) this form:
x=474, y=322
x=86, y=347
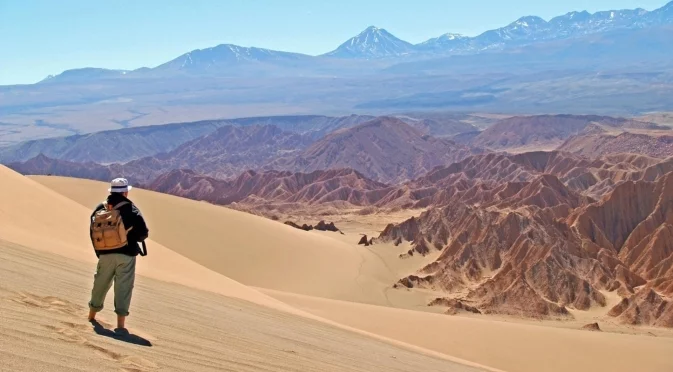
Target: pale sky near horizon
x=43, y=37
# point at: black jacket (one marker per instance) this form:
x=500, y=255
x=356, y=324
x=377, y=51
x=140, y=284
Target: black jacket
x=131, y=216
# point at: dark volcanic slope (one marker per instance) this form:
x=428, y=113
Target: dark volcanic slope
x=385, y=149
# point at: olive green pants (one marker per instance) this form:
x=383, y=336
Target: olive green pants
x=121, y=269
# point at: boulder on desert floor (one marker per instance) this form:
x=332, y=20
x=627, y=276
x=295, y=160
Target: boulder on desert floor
x=454, y=306
x=365, y=242
x=304, y=227
x=323, y=226
x=592, y=327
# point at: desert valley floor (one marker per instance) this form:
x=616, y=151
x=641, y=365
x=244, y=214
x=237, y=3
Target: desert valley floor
x=240, y=292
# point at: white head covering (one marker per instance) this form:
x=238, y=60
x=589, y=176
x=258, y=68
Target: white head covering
x=119, y=185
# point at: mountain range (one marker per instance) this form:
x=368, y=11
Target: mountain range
x=376, y=43
x=135, y=143
x=384, y=149
x=607, y=63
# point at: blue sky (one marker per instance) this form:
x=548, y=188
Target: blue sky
x=42, y=37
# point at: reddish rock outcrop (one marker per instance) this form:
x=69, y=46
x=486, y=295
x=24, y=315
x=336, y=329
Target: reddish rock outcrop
x=636, y=222
x=274, y=187
x=513, y=253
x=647, y=307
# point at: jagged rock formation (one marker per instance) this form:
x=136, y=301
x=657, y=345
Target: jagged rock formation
x=636, y=222
x=526, y=258
x=509, y=262
x=274, y=187
x=488, y=179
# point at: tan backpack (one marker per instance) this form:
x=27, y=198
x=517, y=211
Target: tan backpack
x=107, y=228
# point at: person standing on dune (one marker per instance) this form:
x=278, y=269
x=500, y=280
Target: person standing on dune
x=117, y=229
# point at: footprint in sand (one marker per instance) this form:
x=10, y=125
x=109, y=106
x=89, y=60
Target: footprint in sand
x=50, y=303
x=138, y=363
x=76, y=333
x=72, y=332
x=105, y=353
x=78, y=327
x=68, y=335
x=131, y=362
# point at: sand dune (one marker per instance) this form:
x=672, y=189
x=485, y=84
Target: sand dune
x=189, y=319
x=249, y=249
x=510, y=345
x=35, y=216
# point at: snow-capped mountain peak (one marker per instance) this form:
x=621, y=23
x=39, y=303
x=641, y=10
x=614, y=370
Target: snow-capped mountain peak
x=529, y=21
x=450, y=36
x=444, y=43
x=373, y=42
x=371, y=29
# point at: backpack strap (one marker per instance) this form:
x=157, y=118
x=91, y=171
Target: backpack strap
x=121, y=204
x=143, y=250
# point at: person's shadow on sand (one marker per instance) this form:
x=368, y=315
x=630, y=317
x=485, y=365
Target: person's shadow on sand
x=120, y=334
